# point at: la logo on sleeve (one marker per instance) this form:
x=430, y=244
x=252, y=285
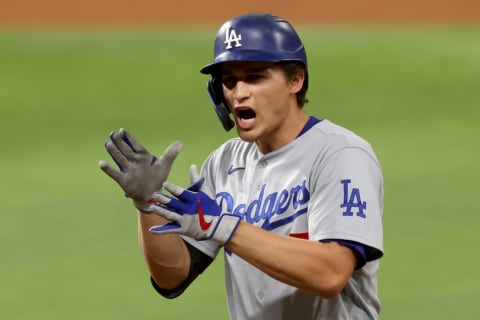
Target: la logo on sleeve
x=352, y=199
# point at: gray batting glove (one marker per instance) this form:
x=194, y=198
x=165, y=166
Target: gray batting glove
x=193, y=214
x=139, y=173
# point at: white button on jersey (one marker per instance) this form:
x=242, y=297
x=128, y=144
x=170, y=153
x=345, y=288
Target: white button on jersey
x=260, y=295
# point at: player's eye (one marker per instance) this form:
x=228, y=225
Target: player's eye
x=254, y=77
x=229, y=82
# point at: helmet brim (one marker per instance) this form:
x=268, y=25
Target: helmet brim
x=247, y=56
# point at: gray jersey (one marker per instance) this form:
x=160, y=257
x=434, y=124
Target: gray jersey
x=326, y=184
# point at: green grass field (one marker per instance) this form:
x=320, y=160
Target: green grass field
x=68, y=236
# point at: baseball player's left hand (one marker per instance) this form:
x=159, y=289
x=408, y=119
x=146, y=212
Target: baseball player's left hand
x=139, y=173
x=193, y=214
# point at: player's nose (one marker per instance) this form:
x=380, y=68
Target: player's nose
x=241, y=91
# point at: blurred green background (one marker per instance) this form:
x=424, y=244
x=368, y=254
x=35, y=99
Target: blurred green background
x=68, y=236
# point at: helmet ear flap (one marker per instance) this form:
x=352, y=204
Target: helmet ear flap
x=215, y=92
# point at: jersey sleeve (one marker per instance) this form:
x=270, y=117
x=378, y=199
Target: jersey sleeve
x=347, y=200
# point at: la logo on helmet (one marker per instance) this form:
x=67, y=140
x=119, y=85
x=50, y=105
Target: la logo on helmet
x=231, y=36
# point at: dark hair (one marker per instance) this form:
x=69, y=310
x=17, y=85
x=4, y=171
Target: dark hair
x=292, y=69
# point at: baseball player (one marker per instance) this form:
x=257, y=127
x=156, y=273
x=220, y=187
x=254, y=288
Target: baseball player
x=295, y=201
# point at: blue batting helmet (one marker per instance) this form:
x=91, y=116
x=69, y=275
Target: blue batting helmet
x=256, y=37
x=251, y=37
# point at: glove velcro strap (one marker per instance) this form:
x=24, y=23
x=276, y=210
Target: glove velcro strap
x=225, y=228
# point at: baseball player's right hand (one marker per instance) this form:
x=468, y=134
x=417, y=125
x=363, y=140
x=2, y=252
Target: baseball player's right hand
x=194, y=214
x=139, y=173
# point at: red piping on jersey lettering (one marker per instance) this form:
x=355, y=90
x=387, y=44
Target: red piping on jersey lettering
x=303, y=235
x=203, y=224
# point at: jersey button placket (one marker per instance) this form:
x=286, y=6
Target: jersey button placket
x=262, y=164
x=260, y=295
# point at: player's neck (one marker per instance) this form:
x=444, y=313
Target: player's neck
x=283, y=135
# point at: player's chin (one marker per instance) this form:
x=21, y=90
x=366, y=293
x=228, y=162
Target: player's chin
x=247, y=135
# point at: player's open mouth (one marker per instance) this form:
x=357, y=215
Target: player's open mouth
x=246, y=117
x=245, y=113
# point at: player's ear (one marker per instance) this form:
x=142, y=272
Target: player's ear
x=296, y=81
